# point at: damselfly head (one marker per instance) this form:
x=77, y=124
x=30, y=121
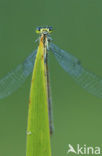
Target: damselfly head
x=44, y=30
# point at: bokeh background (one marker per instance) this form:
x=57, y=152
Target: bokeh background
x=77, y=114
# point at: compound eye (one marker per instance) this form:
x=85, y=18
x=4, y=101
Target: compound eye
x=50, y=28
x=38, y=28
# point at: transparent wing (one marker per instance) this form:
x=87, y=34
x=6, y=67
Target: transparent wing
x=88, y=80
x=14, y=79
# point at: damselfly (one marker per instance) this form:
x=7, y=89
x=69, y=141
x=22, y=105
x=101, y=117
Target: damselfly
x=86, y=79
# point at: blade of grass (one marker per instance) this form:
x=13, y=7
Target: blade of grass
x=38, y=137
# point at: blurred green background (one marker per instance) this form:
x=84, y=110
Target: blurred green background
x=77, y=27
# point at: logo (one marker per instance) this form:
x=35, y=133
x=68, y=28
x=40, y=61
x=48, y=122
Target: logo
x=83, y=150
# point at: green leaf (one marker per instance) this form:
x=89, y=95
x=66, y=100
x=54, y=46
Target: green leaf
x=38, y=136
